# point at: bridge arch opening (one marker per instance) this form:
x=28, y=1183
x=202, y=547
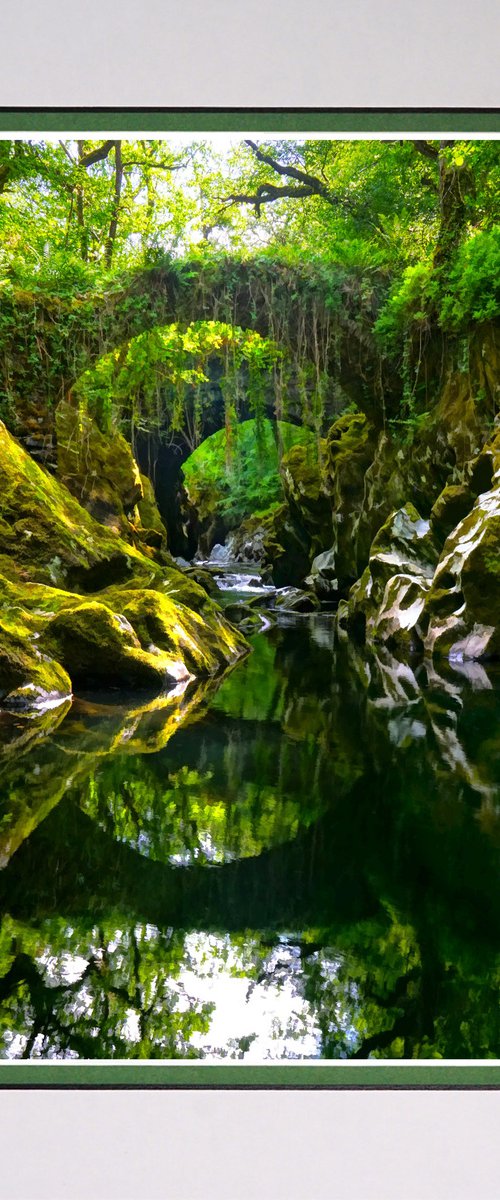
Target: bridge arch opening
x=171, y=388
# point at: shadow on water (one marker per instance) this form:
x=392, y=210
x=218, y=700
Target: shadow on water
x=299, y=861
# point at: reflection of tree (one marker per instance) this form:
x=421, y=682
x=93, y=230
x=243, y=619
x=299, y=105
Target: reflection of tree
x=58, y=750
x=125, y=1001
x=352, y=806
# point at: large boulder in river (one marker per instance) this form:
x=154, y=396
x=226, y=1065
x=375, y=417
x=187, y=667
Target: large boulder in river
x=463, y=605
x=387, y=602
x=323, y=575
x=275, y=540
x=98, y=647
x=54, y=643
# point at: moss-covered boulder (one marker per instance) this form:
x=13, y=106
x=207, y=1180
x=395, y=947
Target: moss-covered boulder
x=245, y=616
x=137, y=625
x=54, y=643
x=29, y=679
x=350, y=448
x=459, y=423
x=305, y=491
x=46, y=535
x=146, y=520
x=97, y=468
x=200, y=642
x=101, y=471
x=205, y=580
x=99, y=648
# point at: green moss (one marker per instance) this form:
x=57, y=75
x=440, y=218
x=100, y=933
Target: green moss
x=150, y=529
x=204, y=580
x=350, y=448
x=49, y=537
x=98, y=469
x=480, y=577
x=97, y=647
x=305, y=491
x=51, y=639
x=203, y=643
x=347, y=436
x=131, y=638
x=29, y=679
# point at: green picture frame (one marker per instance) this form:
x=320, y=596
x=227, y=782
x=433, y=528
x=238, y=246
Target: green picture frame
x=375, y=1075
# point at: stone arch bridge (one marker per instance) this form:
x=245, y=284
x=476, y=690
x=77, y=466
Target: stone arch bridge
x=321, y=316
x=318, y=316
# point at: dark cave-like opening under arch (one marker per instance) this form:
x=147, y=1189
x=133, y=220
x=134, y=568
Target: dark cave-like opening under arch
x=162, y=457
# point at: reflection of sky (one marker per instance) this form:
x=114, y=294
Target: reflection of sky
x=270, y=1018
x=254, y=1020
x=257, y=1010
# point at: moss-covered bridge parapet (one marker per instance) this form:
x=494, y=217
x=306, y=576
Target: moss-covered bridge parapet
x=319, y=315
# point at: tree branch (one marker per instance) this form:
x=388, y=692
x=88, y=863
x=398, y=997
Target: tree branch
x=312, y=181
x=267, y=193
x=93, y=156
x=308, y=185
x=427, y=150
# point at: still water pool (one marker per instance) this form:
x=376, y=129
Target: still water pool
x=299, y=861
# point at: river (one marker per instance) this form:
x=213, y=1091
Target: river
x=298, y=861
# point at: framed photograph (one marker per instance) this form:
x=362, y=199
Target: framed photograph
x=250, y=600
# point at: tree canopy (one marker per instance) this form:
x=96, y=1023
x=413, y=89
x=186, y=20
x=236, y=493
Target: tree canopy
x=402, y=238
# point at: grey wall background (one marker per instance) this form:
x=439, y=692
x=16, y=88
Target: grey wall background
x=265, y=52
x=250, y=1146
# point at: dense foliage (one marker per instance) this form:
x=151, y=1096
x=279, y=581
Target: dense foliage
x=240, y=475
x=400, y=238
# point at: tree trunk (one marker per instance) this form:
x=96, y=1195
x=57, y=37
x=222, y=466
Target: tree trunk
x=80, y=209
x=455, y=185
x=113, y=226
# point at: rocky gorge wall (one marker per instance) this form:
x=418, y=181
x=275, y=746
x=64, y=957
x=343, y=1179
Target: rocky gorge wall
x=400, y=528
